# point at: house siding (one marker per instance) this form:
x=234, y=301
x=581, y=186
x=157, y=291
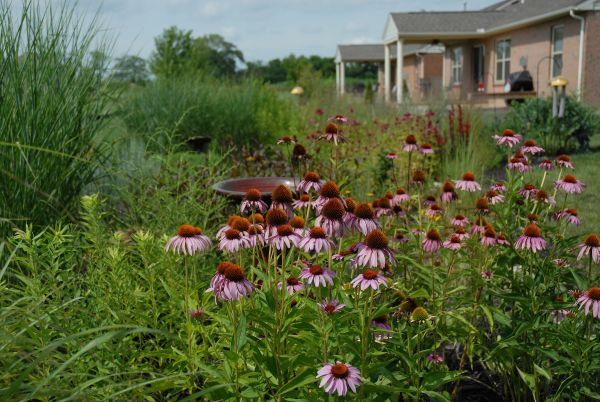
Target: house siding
x=591, y=73
x=532, y=42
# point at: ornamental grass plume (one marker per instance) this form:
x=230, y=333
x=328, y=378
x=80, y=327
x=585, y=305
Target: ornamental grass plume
x=531, y=239
x=508, y=138
x=468, y=183
x=338, y=377
x=188, y=241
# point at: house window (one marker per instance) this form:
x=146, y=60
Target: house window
x=558, y=33
x=457, y=65
x=478, y=63
x=502, y=60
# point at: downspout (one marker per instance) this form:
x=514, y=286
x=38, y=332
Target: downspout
x=581, y=43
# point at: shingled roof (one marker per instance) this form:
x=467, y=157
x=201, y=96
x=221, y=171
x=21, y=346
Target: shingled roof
x=371, y=52
x=490, y=18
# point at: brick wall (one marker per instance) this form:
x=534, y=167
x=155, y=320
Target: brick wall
x=591, y=70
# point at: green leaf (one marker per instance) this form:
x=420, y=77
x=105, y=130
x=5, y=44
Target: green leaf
x=529, y=379
x=542, y=371
x=304, y=377
x=488, y=315
x=242, y=339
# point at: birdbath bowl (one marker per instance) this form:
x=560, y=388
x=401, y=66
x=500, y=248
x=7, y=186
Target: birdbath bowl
x=237, y=188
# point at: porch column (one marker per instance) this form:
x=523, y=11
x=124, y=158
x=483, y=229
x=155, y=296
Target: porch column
x=399, y=68
x=337, y=78
x=342, y=78
x=387, y=91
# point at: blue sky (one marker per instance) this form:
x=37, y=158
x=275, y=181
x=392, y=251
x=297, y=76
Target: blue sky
x=262, y=29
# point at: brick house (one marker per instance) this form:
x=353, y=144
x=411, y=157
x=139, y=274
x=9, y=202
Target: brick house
x=547, y=38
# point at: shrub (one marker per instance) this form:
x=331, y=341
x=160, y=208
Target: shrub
x=245, y=112
x=51, y=97
x=533, y=118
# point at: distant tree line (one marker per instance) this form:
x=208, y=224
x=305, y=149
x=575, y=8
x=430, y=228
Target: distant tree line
x=177, y=52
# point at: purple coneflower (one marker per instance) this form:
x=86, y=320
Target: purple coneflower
x=384, y=207
x=303, y=202
x=489, y=236
x=501, y=239
x=453, y=243
x=338, y=377
x=461, y=233
x=365, y=221
x=418, y=177
x=332, y=134
x=448, y=193
x=426, y=149
x=508, y=138
x=428, y=201
x=518, y=164
x=285, y=237
x=317, y=275
x=590, y=246
x=494, y=198
x=310, y=182
x=292, y=285
x=286, y=139
x=234, y=284
x=435, y=359
x=400, y=196
x=275, y=218
x=479, y=225
x=400, y=238
x=498, y=186
x=253, y=202
x=338, y=118
x=468, y=183
x=546, y=164
x=331, y=307
x=482, y=206
x=219, y=276
x=349, y=216
x=565, y=161
x=197, y=314
x=188, y=241
x=571, y=216
x=331, y=218
x=569, y=184
x=297, y=222
x=531, y=147
x=434, y=211
x=256, y=236
x=542, y=196
x=410, y=144
x=531, y=239
x=486, y=275
x=381, y=322
x=329, y=191
x=459, y=220
x=590, y=301
x=282, y=198
x=316, y=241
x=369, y=278
x=432, y=241
x=391, y=155
x=528, y=191
x=233, y=241
x=375, y=251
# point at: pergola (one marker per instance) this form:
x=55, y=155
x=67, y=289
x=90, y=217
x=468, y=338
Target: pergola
x=368, y=53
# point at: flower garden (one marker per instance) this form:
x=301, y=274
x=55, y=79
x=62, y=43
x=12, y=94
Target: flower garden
x=417, y=255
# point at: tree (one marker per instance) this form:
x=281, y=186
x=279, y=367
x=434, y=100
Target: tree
x=212, y=53
x=173, y=52
x=131, y=69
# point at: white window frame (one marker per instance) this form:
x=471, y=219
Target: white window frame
x=457, y=67
x=504, y=60
x=553, y=52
